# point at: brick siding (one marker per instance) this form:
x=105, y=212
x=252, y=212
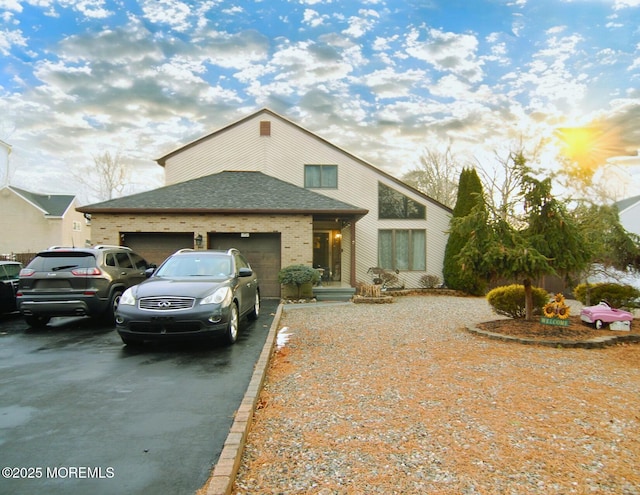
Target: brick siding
x=296, y=230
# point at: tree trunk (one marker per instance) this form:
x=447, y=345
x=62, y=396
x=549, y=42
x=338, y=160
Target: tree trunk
x=528, y=299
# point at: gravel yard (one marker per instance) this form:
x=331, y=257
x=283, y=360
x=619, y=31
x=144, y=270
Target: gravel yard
x=398, y=398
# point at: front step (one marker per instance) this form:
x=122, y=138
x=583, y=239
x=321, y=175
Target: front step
x=333, y=293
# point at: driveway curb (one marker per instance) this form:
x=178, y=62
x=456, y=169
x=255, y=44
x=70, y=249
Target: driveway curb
x=594, y=343
x=225, y=470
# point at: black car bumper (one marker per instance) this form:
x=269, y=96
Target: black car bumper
x=135, y=324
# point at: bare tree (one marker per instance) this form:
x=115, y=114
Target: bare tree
x=107, y=178
x=502, y=182
x=437, y=176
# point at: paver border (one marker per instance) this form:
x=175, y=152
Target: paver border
x=225, y=471
x=593, y=343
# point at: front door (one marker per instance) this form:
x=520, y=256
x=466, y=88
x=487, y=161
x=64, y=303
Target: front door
x=327, y=250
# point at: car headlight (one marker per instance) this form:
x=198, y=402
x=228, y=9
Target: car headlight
x=221, y=296
x=128, y=298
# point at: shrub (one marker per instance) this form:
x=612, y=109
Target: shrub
x=509, y=300
x=429, y=281
x=298, y=275
x=617, y=295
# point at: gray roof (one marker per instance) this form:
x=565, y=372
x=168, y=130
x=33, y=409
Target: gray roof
x=626, y=203
x=54, y=205
x=228, y=192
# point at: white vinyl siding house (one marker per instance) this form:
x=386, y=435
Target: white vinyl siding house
x=296, y=155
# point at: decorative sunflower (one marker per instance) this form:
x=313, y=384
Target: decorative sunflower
x=559, y=298
x=563, y=312
x=549, y=310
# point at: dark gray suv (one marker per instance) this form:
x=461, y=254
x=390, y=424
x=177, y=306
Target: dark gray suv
x=9, y=271
x=77, y=282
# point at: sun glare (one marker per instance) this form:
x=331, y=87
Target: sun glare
x=588, y=148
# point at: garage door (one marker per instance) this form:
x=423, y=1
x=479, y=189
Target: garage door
x=155, y=247
x=261, y=250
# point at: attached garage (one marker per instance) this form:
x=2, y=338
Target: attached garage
x=262, y=250
x=155, y=247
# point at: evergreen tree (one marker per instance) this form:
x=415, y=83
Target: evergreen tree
x=470, y=195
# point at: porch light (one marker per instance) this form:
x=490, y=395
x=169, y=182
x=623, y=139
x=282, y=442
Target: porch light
x=198, y=240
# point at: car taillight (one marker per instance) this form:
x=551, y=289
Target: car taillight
x=26, y=272
x=86, y=272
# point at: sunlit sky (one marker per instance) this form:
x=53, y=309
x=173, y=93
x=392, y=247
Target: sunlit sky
x=382, y=79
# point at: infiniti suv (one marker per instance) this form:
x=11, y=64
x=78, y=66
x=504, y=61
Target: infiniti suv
x=63, y=281
x=192, y=294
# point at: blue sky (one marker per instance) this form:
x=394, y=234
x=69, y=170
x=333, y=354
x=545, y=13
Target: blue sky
x=383, y=79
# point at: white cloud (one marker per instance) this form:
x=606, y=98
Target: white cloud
x=313, y=18
x=623, y=4
x=387, y=83
x=171, y=12
x=9, y=39
x=13, y=5
x=359, y=26
x=447, y=52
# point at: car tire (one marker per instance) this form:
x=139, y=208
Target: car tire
x=598, y=324
x=37, y=321
x=110, y=313
x=231, y=335
x=255, y=312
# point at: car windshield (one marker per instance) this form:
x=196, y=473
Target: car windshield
x=195, y=266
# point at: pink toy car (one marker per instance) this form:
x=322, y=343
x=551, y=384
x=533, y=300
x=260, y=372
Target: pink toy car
x=602, y=314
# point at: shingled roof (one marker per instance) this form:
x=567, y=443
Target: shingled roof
x=228, y=192
x=52, y=205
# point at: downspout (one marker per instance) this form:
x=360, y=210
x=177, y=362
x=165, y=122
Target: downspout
x=353, y=254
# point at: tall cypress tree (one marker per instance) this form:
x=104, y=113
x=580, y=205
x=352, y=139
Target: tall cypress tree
x=470, y=194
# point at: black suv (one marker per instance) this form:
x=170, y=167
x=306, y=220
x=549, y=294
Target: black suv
x=193, y=295
x=65, y=281
x=9, y=271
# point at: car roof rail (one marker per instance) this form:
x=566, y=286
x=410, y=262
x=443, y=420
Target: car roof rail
x=232, y=250
x=110, y=246
x=184, y=250
x=60, y=247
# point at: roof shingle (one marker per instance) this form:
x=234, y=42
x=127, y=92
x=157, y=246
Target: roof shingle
x=228, y=192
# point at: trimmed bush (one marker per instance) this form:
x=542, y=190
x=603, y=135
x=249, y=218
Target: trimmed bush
x=508, y=300
x=300, y=276
x=617, y=295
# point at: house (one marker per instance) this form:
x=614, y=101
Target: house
x=32, y=221
x=282, y=195
x=629, y=213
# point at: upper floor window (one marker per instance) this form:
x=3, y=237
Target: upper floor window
x=394, y=204
x=321, y=176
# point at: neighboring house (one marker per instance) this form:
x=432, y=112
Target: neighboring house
x=629, y=213
x=282, y=195
x=31, y=221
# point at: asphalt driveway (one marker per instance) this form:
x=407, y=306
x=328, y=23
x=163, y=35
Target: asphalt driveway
x=80, y=413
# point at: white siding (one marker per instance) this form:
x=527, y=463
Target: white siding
x=283, y=155
x=630, y=219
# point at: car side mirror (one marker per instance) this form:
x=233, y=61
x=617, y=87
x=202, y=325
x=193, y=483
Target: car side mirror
x=245, y=272
x=149, y=271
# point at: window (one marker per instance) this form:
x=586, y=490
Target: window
x=321, y=176
x=393, y=204
x=402, y=249
x=77, y=227
x=123, y=260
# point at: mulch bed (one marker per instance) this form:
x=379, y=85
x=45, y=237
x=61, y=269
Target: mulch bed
x=576, y=331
